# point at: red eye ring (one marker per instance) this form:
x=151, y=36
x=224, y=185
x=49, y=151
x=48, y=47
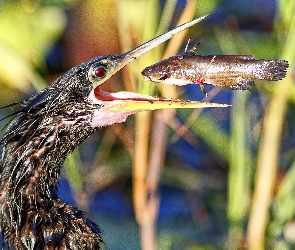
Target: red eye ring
x=100, y=72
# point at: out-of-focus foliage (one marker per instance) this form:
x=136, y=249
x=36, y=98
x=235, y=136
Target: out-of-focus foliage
x=27, y=31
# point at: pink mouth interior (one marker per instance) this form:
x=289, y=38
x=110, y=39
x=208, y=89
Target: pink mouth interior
x=105, y=115
x=106, y=96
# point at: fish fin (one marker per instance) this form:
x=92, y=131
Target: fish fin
x=192, y=50
x=247, y=57
x=242, y=84
x=233, y=57
x=202, y=87
x=243, y=57
x=233, y=83
x=272, y=70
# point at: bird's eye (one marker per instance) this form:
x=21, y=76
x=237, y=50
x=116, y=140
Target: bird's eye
x=100, y=72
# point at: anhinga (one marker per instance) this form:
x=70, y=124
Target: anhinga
x=48, y=127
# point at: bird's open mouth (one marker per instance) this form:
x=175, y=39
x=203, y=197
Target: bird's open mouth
x=116, y=107
x=130, y=101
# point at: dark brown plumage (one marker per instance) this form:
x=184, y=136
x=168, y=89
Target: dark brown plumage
x=50, y=125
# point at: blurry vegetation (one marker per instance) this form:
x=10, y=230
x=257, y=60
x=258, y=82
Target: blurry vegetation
x=213, y=178
x=27, y=32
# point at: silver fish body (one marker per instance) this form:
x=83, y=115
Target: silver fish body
x=228, y=71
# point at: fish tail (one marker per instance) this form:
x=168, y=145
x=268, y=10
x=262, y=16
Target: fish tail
x=271, y=70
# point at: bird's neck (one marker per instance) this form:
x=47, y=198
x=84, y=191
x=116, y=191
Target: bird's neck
x=31, y=214
x=31, y=160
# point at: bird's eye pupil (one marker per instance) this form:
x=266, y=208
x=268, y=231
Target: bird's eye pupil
x=100, y=72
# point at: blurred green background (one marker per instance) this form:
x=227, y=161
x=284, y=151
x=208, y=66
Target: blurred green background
x=209, y=179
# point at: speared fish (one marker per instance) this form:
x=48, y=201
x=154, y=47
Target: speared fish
x=236, y=72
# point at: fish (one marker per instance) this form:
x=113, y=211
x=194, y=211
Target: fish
x=235, y=72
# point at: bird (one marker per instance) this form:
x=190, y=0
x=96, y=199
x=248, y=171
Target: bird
x=49, y=125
